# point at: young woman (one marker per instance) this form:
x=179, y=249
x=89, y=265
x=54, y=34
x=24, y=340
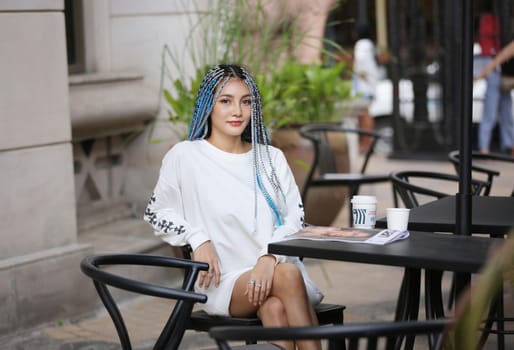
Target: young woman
x=228, y=193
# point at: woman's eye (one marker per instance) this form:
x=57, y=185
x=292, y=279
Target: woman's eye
x=225, y=100
x=247, y=102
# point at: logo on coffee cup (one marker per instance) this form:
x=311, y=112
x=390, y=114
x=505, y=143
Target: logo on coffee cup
x=363, y=217
x=364, y=211
x=359, y=216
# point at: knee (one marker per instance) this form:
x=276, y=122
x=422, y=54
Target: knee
x=288, y=275
x=272, y=306
x=272, y=312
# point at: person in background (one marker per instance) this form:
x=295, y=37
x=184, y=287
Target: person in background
x=365, y=78
x=227, y=193
x=497, y=102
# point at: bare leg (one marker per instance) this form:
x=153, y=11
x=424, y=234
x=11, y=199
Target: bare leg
x=273, y=314
x=288, y=287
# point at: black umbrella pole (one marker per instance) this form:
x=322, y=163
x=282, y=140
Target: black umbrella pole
x=463, y=208
x=463, y=199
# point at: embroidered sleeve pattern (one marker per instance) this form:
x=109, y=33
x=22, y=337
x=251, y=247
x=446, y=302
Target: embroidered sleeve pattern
x=162, y=224
x=165, y=207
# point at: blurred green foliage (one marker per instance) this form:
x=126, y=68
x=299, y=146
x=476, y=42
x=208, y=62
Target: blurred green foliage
x=292, y=92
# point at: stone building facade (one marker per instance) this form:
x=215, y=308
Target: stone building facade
x=76, y=168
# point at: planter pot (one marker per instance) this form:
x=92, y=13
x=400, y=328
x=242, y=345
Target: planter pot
x=322, y=205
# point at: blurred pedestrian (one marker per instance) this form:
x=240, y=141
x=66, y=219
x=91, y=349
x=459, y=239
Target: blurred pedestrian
x=497, y=99
x=366, y=74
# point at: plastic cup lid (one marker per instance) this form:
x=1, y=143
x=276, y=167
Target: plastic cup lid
x=364, y=199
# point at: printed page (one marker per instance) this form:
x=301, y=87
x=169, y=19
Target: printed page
x=387, y=236
x=353, y=235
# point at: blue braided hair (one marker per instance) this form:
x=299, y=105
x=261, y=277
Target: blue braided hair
x=266, y=179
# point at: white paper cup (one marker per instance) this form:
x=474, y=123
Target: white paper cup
x=397, y=218
x=364, y=211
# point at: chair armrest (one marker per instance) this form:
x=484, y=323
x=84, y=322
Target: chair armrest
x=174, y=329
x=90, y=266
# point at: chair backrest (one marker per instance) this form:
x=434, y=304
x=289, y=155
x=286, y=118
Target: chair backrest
x=174, y=328
x=355, y=336
x=416, y=187
x=321, y=135
x=490, y=173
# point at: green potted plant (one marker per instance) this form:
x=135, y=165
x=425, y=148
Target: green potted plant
x=296, y=93
x=293, y=94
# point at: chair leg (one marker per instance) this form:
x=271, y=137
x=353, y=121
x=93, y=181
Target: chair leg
x=496, y=314
x=451, y=296
x=352, y=191
x=395, y=197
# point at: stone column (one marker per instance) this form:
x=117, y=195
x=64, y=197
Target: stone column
x=39, y=254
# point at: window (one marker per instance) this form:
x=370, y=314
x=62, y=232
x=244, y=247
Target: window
x=73, y=16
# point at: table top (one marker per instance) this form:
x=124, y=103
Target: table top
x=423, y=250
x=489, y=215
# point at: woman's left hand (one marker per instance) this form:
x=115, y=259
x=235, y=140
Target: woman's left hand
x=261, y=280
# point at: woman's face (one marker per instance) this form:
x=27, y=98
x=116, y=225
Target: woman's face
x=231, y=112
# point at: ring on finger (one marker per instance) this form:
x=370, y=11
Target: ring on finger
x=251, y=282
x=258, y=285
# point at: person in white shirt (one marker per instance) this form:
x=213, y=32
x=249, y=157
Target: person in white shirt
x=228, y=193
x=365, y=66
x=366, y=74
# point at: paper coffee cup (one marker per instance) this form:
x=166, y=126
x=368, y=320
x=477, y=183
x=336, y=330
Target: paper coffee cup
x=364, y=211
x=397, y=218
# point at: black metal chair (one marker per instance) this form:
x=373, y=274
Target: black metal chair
x=477, y=164
x=174, y=329
x=201, y=321
x=324, y=170
x=379, y=335
x=415, y=187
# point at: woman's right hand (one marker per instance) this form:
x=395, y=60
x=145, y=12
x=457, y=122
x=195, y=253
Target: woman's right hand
x=206, y=253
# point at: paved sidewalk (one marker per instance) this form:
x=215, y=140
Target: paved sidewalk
x=368, y=291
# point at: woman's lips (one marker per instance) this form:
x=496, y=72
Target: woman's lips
x=235, y=123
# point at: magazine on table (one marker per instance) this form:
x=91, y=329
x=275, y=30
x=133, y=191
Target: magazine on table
x=347, y=234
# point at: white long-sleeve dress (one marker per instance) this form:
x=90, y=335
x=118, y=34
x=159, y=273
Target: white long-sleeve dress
x=204, y=193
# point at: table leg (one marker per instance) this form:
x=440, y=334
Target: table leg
x=407, y=306
x=408, y=298
x=462, y=281
x=433, y=294
x=433, y=301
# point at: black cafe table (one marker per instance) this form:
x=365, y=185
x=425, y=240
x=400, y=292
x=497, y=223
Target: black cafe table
x=491, y=215
x=432, y=252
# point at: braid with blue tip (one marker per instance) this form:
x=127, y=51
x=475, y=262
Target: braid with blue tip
x=266, y=179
